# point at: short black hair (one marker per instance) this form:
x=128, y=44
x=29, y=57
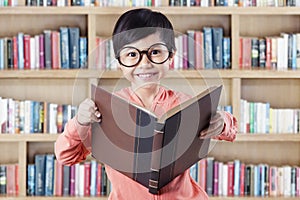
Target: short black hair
x=139, y=23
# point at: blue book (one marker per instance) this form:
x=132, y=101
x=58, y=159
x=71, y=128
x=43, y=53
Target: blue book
x=30, y=179
x=83, y=52
x=40, y=161
x=226, y=53
x=257, y=181
x=1, y=53
x=208, y=54
x=74, y=33
x=20, y=40
x=262, y=179
x=217, y=47
x=93, y=178
x=49, y=175
x=64, y=47
x=236, y=185
x=194, y=171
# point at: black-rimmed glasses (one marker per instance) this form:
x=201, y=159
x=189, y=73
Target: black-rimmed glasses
x=157, y=53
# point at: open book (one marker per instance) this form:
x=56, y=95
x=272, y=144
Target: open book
x=150, y=150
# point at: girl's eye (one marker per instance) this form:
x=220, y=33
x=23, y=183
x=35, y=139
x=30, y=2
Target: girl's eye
x=155, y=52
x=132, y=54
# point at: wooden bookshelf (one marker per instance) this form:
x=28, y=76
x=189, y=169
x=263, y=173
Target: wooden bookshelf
x=280, y=88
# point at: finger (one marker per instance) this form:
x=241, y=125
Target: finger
x=96, y=117
x=210, y=132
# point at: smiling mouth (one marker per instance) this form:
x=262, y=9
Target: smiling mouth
x=146, y=75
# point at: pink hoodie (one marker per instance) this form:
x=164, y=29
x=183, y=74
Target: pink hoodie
x=74, y=144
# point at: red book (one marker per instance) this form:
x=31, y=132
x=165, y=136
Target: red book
x=199, y=50
x=202, y=173
x=72, y=180
x=59, y=118
x=273, y=183
x=87, y=178
x=230, y=178
x=246, y=54
x=26, y=51
x=241, y=53
x=298, y=181
x=268, y=52
x=59, y=179
x=10, y=180
x=15, y=52
x=242, y=179
x=17, y=178
x=99, y=179
x=55, y=49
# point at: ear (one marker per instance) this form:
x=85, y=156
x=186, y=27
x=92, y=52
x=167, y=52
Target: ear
x=172, y=57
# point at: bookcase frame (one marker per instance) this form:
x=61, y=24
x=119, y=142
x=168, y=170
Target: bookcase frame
x=59, y=84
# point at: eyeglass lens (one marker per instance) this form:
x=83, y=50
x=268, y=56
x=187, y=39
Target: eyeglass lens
x=130, y=56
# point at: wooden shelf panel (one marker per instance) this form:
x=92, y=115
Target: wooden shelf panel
x=19, y=10
x=105, y=198
x=240, y=137
x=51, y=197
x=111, y=74
x=28, y=137
x=268, y=137
x=253, y=198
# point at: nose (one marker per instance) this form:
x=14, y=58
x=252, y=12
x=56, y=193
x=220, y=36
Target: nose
x=144, y=61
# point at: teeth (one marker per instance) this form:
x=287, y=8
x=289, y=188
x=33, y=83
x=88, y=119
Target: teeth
x=145, y=75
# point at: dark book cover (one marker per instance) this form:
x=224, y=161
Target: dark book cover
x=150, y=150
x=40, y=163
x=217, y=47
x=49, y=175
x=64, y=47
x=31, y=179
x=47, y=49
x=3, y=177
x=208, y=45
x=254, y=52
x=66, y=181
x=74, y=47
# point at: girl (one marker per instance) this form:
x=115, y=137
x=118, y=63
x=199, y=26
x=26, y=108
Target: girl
x=144, y=46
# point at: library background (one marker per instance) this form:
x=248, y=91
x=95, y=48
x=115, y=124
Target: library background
x=252, y=46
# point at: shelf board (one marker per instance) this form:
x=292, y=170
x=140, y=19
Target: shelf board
x=267, y=137
x=28, y=137
x=176, y=10
x=240, y=137
x=105, y=198
x=253, y=198
x=112, y=74
x=51, y=197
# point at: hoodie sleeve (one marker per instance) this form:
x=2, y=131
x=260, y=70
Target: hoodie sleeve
x=230, y=128
x=74, y=144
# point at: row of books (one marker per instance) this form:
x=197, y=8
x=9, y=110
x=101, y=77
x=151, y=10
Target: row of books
x=259, y=117
x=136, y=3
x=101, y=3
x=49, y=50
x=47, y=177
x=9, y=179
x=235, y=178
x=277, y=52
x=198, y=49
x=235, y=3
x=27, y=116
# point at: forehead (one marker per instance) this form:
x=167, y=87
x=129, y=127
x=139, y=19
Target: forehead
x=146, y=41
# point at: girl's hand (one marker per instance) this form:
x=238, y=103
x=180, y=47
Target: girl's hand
x=88, y=113
x=216, y=125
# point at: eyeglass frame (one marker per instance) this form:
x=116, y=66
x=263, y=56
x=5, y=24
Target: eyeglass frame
x=144, y=52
